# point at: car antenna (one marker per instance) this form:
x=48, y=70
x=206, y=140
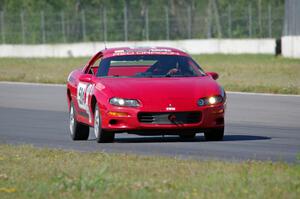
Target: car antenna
x=105, y=45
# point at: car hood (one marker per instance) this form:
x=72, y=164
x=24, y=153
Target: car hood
x=162, y=92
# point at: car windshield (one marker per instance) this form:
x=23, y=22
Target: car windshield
x=149, y=66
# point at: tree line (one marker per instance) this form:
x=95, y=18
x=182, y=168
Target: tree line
x=48, y=21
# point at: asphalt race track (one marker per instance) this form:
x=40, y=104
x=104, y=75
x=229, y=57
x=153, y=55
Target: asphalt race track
x=258, y=126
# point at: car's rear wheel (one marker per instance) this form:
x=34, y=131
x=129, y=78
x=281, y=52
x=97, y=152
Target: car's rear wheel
x=100, y=134
x=78, y=131
x=215, y=134
x=188, y=135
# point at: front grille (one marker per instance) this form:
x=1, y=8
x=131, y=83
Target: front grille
x=170, y=117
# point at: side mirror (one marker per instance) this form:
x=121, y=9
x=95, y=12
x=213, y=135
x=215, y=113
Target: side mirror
x=85, y=78
x=213, y=75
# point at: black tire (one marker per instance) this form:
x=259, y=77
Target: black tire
x=78, y=131
x=101, y=135
x=188, y=135
x=216, y=134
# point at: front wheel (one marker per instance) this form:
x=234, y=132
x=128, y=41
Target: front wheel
x=78, y=131
x=215, y=134
x=100, y=134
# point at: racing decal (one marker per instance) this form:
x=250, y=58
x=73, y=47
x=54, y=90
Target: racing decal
x=84, y=92
x=143, y=51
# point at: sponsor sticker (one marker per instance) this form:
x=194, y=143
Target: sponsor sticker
x=84, y=92
x=150, y=51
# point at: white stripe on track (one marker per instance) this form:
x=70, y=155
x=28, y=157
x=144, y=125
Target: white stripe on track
x=32, y=84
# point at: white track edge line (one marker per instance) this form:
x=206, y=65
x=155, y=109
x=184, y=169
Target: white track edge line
x=231, y=92
x=33, y=84
x=263, y=94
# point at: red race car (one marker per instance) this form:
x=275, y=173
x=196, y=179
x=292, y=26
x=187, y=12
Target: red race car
x=144, y=91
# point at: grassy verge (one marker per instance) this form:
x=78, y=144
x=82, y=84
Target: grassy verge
x=252, y=73
x=255, y=73
x=27, y=172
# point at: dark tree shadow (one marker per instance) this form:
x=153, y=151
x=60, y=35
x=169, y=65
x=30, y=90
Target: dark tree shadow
x=245, y=137
x=198, y=138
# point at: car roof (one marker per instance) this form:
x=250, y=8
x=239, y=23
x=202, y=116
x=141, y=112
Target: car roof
x=111, y=52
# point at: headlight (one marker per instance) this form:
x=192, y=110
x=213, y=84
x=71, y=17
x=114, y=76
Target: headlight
x=210, y=100
x=124, y=102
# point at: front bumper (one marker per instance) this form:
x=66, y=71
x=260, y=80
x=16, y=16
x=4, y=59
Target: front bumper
x=124, y=119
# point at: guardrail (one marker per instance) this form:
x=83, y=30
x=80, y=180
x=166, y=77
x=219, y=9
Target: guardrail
x=201, y=46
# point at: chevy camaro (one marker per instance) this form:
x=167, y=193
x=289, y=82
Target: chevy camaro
x=144, y=91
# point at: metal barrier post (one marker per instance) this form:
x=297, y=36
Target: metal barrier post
x=167, y=23
x=2, y=26
x=43, y=27
x=83, y=25
x=270, y=20
x=23, y=27
x=250, y=19
x=189, y=14
x=63, y=28
x=229, y=22
x=147, y=23
x=125, y=22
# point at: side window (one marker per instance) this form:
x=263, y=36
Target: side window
x=104, y=66
x=196, y=67
x=93, y=70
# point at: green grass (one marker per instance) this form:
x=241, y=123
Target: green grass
x=251, y=73
x=27, y=172
x=255, y=73
x=41, y=70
